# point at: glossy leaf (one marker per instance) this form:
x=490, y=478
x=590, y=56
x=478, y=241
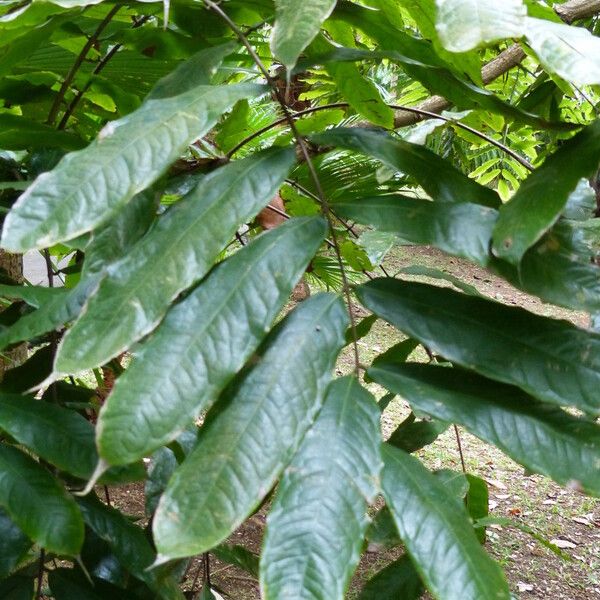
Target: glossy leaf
x=544, y=439
x=58, y=435
x=14, y=544
x=573, y=53
x=544, y=194
x=128, y=156
x=437, y=533
x=253, y=433
x=318, y=520
x=462, y=229
x=183, y=245
x=34, y=295
x=296, y=26
x=398, y=580
x=129, y=544
x=161, y=392
x=437, y=176
x=29, y=494
x=465, y=24
x=552, y=360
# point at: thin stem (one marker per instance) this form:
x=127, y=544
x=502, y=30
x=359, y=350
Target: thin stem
x=311, y=168
x=49, y=269
x=107, y=496
x=460, y=450
x=206, y=564
x=97, y=70
x=418, y=111
x=77, y=64
x=40, y=575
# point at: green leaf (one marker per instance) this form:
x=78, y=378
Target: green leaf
x=462, y=229
x=34, y=295
x=19, y=133
x=162, y=392
x=183, y=245
x=14, y=544
x=544, y=439
x=573, y=53
x=543, y=196
x=437, y=176
x=437, y=533
x=30, y=374
x=398, y=580
x=361, y=93
x=412, y=435
x=127, y=156
x=465, y=24
x=550, y=359
x=129, y=543
x=68, y=584
x=17, y=587
x=58, y=435
x=253, y=433
x=238, y=556
x=197, y=70
x=296, y=26
x=317, y=523
x=361, y=330
x=30, y=494
x=423, y=271
x=478, y=503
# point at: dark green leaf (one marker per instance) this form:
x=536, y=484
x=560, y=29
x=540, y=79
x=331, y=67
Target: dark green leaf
x=183, y=245
x=14, y=544
x=68, y=584
x=30, y=374
x=129, y=544
x=253, y=433
x=239, y=556
x=29, y=494
x=361, y=330
x=462, y=229
x=437, y=176
x=544, y=439
x=477, y=502
x=544, y=194
x=161, y=392
x=17, y=587
x=437, y=533
x=34, y=295
x=552, y=360
x=317, y=523
x=413, y=435
x=128, y=156
x=58, y=435
x=18, y=133
x=398, y=580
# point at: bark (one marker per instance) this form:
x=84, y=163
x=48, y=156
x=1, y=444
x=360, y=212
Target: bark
x=505, y=61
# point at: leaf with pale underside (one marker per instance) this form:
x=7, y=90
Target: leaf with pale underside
x=465, y=24
x=161, y=392
x=296, y=25
x=253, y=433
x=317, y=523
x=182, y=247
x=29, y=494
x=550, y=359
x=128, y=155
x=437, y=533
x=543, y=438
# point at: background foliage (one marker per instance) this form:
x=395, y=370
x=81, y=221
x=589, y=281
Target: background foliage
x=143, y=143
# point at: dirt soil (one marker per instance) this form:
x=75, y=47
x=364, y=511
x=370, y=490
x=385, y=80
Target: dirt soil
x=565, y=517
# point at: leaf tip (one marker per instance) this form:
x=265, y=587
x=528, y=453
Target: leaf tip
x=100, y=469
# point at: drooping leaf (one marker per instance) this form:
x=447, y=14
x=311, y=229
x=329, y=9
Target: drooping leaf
x=544, y=439
x=30, y=374
x=239, y=556
x=437, y=533
x=318, y=520
x=465, y=24
x=424, y=271
x=461, y=229
x=127, y=157
x=296, y=26
x=14, y=544
x=68, y=584
x=183, y=245
x=570, y=52
x=129, y=544
x=161, y=392
x=197, y=70
x=542, y=197
x=252, y=435
x=412, y=435
x=58, y=435
x=29, y=494
x=398, y=580
x=550, y=359
x=477, y=503
x=437, y=176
